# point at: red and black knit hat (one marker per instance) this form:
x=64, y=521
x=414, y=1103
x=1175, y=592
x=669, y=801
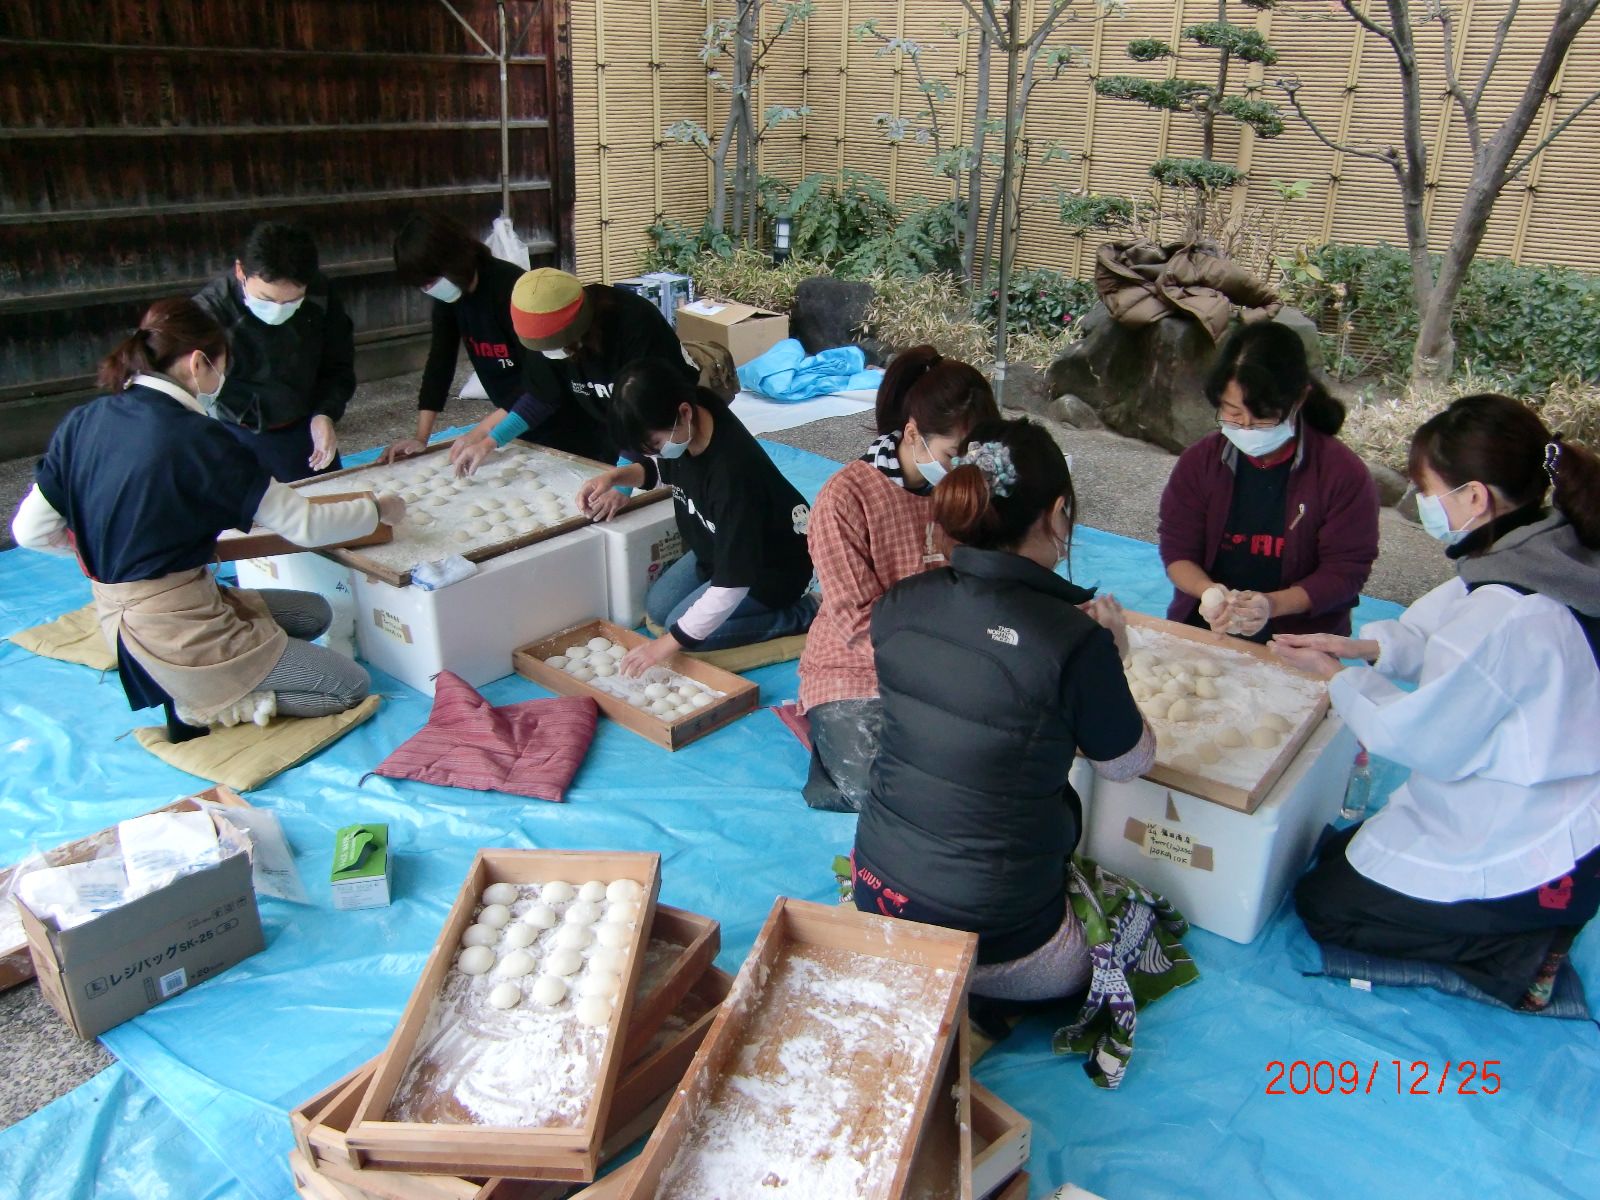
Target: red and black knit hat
x=549, y=309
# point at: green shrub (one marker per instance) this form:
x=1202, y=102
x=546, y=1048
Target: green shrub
x=1526, y=326
x=1042, y=301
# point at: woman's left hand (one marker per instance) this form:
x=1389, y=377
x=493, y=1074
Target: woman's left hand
x=1107, y=612
x=324, y=443
x=651, y=654
x=1314, y=662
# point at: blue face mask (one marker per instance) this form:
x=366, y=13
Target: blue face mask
x=1435, y=521
x=208, y=400
x=672, y=449
x=271, y=311
x=933, y=470
x=443, y=289
x=1258, y=443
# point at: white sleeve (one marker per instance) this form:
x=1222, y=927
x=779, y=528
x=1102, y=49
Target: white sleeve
x=287, y=513
x=706, y=615
x=1402, y=640
x=38, y=526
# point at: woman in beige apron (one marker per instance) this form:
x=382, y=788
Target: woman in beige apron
x=138, y=484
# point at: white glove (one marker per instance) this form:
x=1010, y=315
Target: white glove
x=1249, y=613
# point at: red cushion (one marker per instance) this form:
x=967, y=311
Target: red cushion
x=529, y=749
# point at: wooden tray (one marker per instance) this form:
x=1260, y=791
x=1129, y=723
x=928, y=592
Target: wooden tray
x=549, y=1153
x=351, y=556
x=1002, y=1143
x=797, y=930
x=943, y=1166
x=262, y=543
x=320, y=1123
x=16, y=964
x=701, y=939
x=741, y=694
x=1210, y=789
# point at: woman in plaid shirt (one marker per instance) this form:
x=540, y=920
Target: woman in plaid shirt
x=871, y=527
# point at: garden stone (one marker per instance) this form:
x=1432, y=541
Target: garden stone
x=829, y=312
x=1028, y=388
x=1392, y=485
x=1071, y=410
x=1309, y=334
x=1407, y=507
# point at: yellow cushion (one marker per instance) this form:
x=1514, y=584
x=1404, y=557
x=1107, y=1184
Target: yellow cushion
x=744, y=658
x=246, y=756
x=74, y=638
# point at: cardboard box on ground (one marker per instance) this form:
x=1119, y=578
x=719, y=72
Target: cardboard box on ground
x=747, y=332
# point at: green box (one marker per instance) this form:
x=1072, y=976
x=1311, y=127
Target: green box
x=362, y=867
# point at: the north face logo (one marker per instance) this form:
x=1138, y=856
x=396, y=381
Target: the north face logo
x=1004, y=634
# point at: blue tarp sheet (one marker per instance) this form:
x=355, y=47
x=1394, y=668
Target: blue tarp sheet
x=195, y=1107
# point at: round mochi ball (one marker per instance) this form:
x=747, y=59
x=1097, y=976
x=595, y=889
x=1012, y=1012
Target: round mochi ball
x=563, y=962
x=520, y=936
x=662, y=707
x=490, y=503
x=475, y=960
x=701, y=700
x=592, y=892
x=1263, y=738
x=583, y=674
x=474, y=511
x=1188, y=763
x=600, y=983
x=1181, y=710
x=409, y=497
x=608, y=958
x=505, y=995
x=620, y=891
x=500, y=893
x=495, y=916
x=498, y=483
x=516, y=964
x=594, y=1011
x=1157, y=706
x=577, y=653
x=548, y=990
x=557, y=891
x=583, y=912
x=496, y=518
x=1209, y=669
x=1141, y=690
x=625, y=912
x=463, y=536
x=656, y=691
x=1208, y=753
x=545, y=494
x=613, y=934
x=540, y=916
x=438, y=501
x=1276, y=722
x=479, y=527
x=420, y=518
x=558, y=661
x=573, y=937
x=1213, y=597
x=1205, y=688
x=1230, y=737
x=637, y=699
x=1178, y=687
x=599, y=643
x=480, y=935
x=574, y=665
x=605, y=670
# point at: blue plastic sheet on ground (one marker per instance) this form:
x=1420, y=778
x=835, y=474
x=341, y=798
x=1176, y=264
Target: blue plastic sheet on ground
x=1194, y=1117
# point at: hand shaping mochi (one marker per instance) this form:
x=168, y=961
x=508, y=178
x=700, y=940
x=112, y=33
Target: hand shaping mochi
x=582, y=913
x=556, y=891
x=540, y=916
x=1277, y=722
x=620, y=890
x=594, y=1011
x=613, y=934
x=520, y=936
x=1213, y=598
x=505, y=995
x=495, y=916
x=558, y=661
x=1231, y=738
x=592, y=892
x=1208, y=753
x=480, y=935
x=500, y=893
x=1263, y=738
x=563, y=962
x=1205, y=688
x=475, y=960
x=1181, y=710
x=548, y=990
x=600, y=983
x=574, y=937
x=516, y=964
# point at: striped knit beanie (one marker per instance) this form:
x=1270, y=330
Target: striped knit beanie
x=549, y=309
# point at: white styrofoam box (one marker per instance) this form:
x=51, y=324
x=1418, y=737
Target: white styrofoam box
x=472, y=627
x=639, y=546
x=332, y=581
x=1225, y=870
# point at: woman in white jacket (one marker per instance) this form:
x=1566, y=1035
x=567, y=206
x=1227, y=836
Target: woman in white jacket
x=1486, y=859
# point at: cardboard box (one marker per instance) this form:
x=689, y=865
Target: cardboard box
x=363, y=868
x=747, y=332
x=101, y=973
x=639, y=546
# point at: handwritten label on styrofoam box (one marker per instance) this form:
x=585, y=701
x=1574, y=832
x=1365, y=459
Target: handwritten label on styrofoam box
x=388, y=623
x=265, y=565
x=1170, y=845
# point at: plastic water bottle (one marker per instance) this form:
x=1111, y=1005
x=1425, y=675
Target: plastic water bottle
x=1358, y=792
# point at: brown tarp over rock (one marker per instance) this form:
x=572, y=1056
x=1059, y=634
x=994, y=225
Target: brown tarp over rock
x=1141, y=283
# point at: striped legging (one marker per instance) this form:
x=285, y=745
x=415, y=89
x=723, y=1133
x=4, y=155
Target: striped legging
x=311, y=681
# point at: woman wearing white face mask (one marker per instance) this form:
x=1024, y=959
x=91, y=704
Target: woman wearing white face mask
x=871, y=527
x=292, y=352
x=1272, y=510
x=138, y=484
x=1486, y=859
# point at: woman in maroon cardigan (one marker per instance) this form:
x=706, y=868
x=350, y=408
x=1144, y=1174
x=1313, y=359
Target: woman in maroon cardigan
x=1270, y=524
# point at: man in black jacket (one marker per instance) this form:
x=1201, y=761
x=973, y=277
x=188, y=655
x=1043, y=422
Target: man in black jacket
x=291, y=359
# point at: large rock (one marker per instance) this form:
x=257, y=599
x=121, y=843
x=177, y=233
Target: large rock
x=1149, y=382
x=1027, y=388
x=1071, y=410
x=1392, y=485
x=830, y=312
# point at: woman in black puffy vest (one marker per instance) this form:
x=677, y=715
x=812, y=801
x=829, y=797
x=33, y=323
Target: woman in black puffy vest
x=994, y=672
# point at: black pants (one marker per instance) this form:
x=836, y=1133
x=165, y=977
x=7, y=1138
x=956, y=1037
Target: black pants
x=1496, y=945
x=844, y=745
x=284, y=452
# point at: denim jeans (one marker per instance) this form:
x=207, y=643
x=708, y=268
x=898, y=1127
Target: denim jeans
x=679, y=586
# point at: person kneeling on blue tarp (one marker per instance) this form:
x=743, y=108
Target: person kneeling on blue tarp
x=747, y=575
x=1487, y=860
x=993, y=673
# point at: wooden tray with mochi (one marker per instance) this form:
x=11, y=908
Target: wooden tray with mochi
x=520, y=495
x=320, y=1124
x=1229, y=715
x=507, y=1054
x=671, y=705
x=817, y=1076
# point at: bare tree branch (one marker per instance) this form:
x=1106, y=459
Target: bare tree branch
x=1500, y=32
x=1522, y=163
x=1447, y=23
x=1362, y=19
x=1389, y=156
x=986, y=18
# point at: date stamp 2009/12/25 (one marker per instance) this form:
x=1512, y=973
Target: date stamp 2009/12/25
x=1414, y=1079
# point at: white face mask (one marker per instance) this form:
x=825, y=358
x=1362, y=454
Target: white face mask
x=443, y=289
x=672, y=449
x=1258, y=443
x=1435, y=521
x=208, y=400
x=558, y=353
x=271, y=311
x=932, y=471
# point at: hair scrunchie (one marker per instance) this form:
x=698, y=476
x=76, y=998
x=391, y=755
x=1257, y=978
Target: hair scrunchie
x=994, y=460
x=1552, y=457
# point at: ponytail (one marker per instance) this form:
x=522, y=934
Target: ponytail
x=170, y=330
x=992, y=504
x=942, y=395
x=1575, y=470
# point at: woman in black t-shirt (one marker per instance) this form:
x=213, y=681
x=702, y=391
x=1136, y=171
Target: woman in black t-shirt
x=747, y=575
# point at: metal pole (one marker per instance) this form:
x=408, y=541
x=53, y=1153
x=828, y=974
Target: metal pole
x=505, y=114
x=1008, y=205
